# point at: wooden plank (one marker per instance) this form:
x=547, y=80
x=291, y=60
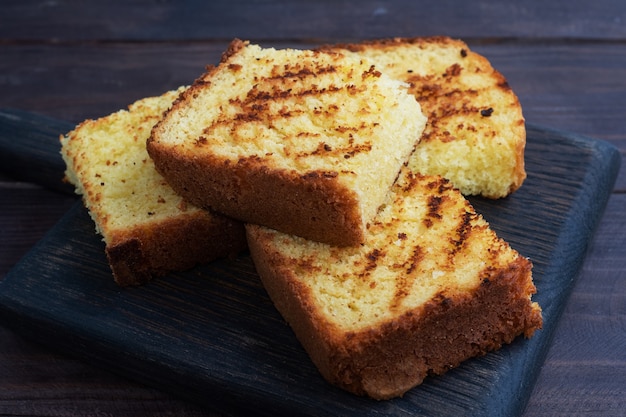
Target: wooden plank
x=50, y=381
x=31, y=151
x=79, y=81
x=273, y=20
x=27, y=212
x=76, y=82
x=589, y=350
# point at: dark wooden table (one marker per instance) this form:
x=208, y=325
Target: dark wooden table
x=70, y=60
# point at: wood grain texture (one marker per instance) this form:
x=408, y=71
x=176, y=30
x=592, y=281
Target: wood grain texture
x=27, y=213
x=341, y=20
x=588, y=349
x=31, y=152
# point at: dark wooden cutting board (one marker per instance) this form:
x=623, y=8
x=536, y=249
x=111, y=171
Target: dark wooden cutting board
x=211, y=334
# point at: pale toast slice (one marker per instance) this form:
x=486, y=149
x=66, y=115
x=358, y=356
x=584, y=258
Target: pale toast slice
x=431, y=286
x=147, y=228
x=306, y=142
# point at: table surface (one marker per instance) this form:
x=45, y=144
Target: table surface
x=566, y=60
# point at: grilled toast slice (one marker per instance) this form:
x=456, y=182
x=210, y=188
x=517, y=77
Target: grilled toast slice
x=147, y=228
x=475, y=135
x=431, y=286
x=305, y=142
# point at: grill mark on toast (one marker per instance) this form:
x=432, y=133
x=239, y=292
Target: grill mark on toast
x=441, y=102
x=434, y=205
x=363, y=270
x=463, y=232
x=347, y=151
x=300, y=72
x=279, y=97
x=406, y=279
x=373, y=257
x=408, y=270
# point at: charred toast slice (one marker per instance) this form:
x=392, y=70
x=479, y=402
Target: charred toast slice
x=147, y=228
x=475, y=135
x=305, y=142
x=431, y=286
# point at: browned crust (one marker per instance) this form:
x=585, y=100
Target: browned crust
x=233, y=47
x=425, y=40
x=149, y=251
x=315, y=206
x=386, y=361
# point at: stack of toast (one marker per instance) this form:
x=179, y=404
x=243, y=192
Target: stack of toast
x=345, y=168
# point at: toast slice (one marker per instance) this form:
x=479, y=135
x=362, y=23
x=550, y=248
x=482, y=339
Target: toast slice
x=148, y=229
x=475, y=135
x=305, y=142
x=431, y=286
